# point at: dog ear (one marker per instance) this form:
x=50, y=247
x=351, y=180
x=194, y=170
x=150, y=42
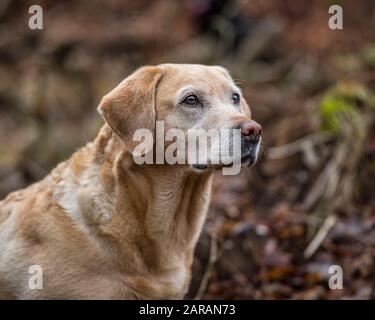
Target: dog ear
x=131, y=105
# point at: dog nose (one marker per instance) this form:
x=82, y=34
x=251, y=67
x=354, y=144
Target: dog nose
x=251, y=129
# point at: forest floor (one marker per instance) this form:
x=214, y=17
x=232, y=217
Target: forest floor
x=275, y=230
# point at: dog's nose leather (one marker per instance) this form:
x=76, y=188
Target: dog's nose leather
x=251, y=129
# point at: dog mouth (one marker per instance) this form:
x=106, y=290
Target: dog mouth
x=200, y=166
x=250, y=157
x=247, y=160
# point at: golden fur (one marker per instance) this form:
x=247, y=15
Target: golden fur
x=102, y=227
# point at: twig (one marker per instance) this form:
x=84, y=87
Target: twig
x=298, y=145
x=326, y=178
x=210, y=265
x=320, y=236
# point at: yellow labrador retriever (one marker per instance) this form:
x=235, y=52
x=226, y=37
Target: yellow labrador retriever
x=100, y=226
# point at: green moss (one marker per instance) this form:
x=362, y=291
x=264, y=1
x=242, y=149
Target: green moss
x=343, y=103
x=368, y=55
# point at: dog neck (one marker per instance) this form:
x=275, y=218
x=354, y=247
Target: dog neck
x=172, y=202
x=166, y=205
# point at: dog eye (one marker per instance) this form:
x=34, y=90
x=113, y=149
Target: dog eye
x=236, y=98
x=191, y=100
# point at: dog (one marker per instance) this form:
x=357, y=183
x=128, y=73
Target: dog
x=99, y=226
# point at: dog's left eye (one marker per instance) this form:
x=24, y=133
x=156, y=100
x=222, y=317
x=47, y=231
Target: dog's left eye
x=236, y=98
x=191, y=100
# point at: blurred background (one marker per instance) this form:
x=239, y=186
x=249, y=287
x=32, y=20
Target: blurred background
x=273, y=231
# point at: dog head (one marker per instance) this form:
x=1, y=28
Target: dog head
x=188, y=98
